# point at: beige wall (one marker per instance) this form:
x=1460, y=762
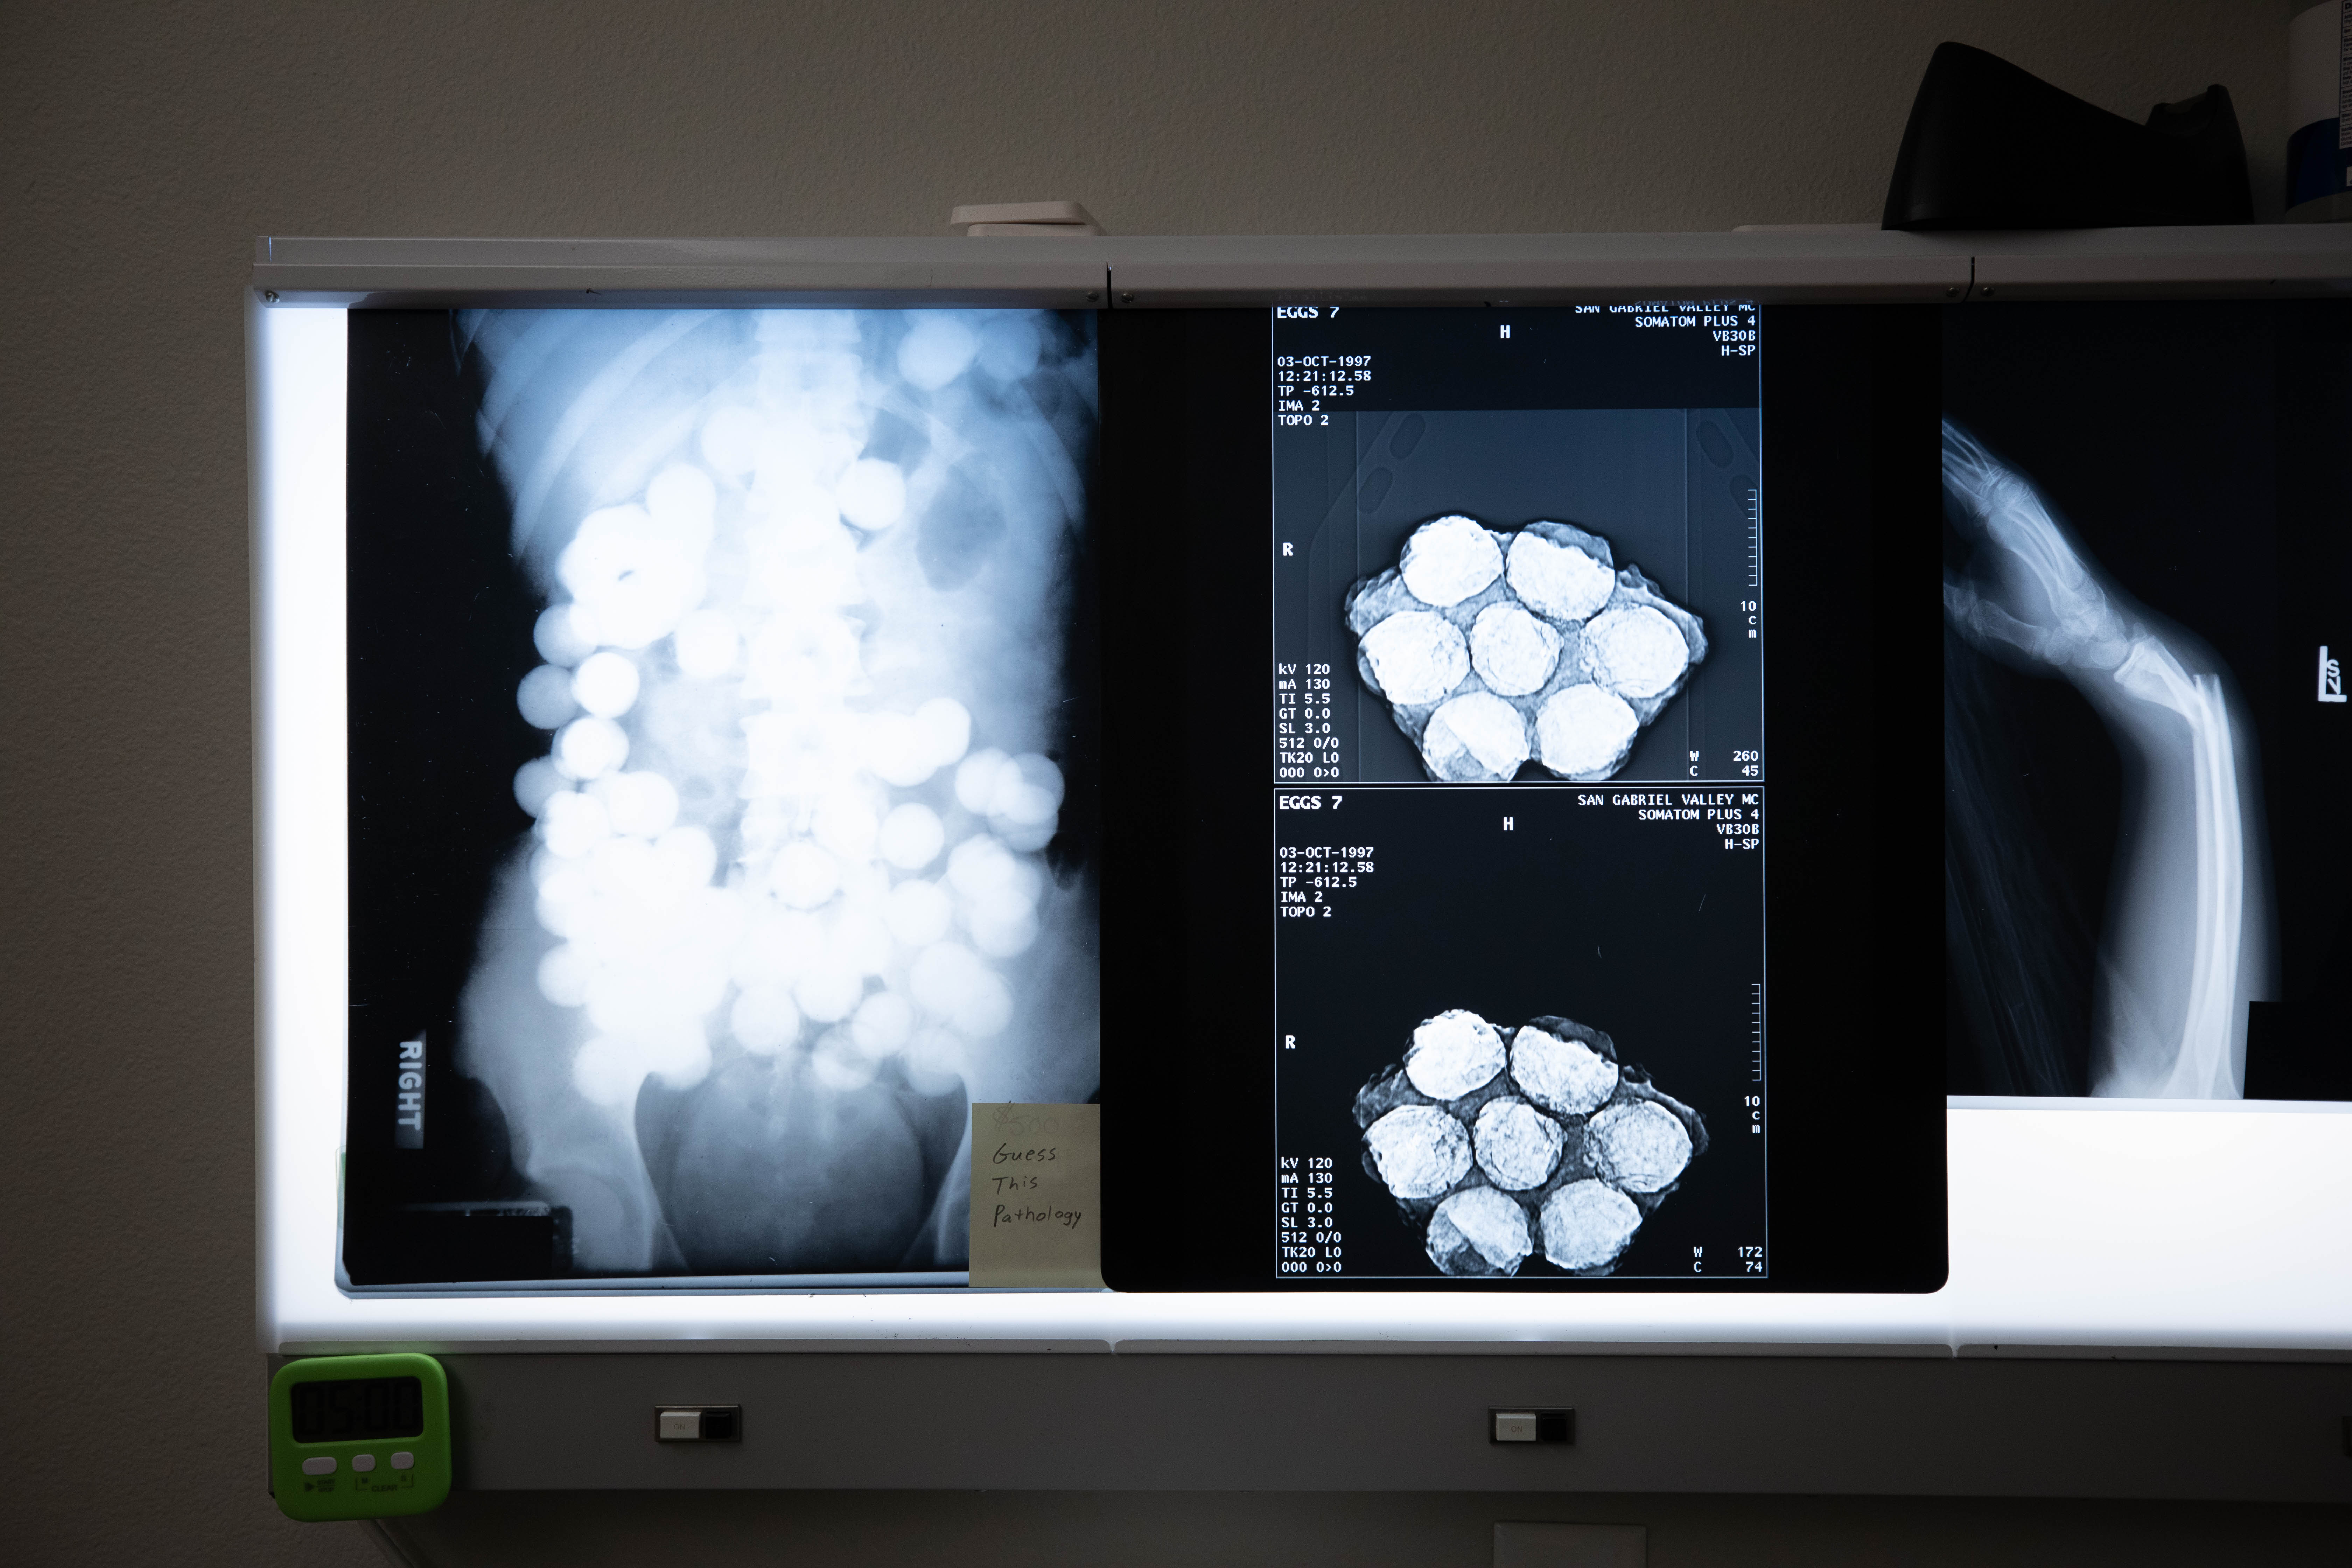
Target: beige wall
x=143, y=148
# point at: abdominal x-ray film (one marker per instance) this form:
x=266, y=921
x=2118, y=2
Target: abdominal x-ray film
x=2148, y=604
x=723, y=749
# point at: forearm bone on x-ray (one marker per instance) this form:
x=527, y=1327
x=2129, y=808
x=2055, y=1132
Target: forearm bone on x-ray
x=2186, y=943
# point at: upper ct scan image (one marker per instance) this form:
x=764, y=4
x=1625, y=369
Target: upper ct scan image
x=1519, y=550
x=1490, y=646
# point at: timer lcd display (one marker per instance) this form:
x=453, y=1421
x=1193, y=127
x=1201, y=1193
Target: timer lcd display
x=357, y=1409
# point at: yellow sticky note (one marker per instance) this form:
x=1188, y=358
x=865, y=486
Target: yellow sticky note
x=1036, y=1194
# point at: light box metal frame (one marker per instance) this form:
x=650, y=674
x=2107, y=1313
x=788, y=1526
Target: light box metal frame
x=2066, y=1218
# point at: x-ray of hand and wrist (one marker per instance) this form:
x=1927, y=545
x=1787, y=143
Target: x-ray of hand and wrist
x=2187, y=942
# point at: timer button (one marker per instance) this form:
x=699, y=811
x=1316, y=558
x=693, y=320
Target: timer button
x=404, y=1460
x=364, y=1463
x=324, y=1465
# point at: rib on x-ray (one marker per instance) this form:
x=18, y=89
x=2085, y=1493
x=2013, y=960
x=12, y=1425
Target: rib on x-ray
x=787, y=905
x=2187, y=939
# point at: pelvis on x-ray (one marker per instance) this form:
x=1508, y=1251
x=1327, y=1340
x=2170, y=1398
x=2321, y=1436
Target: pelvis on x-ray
x=802, y=882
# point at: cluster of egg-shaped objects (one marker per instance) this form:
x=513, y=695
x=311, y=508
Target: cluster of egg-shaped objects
x=736, y=841
x=1492, y=648
x=1505, y=1144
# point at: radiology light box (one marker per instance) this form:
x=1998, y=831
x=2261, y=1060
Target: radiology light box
x=1452, y=744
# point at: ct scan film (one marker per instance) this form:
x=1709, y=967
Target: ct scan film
x=2146, y=727
x=1518, y=807
x=724, y=761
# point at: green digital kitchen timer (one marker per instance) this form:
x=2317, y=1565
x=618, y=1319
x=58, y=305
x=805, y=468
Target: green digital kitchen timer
x=359, y=1436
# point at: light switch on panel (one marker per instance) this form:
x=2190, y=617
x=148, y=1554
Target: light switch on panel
x=1531, y=1425
x=699, y=1423
x=1572, y=1546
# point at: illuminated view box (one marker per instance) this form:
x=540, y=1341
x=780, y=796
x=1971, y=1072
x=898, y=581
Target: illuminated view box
x=1451, y=746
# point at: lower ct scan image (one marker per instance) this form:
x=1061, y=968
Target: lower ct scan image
x=1535, y=1140
x=1521, y=1034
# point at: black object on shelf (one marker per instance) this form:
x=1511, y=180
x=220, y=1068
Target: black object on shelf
x=1991, y=146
